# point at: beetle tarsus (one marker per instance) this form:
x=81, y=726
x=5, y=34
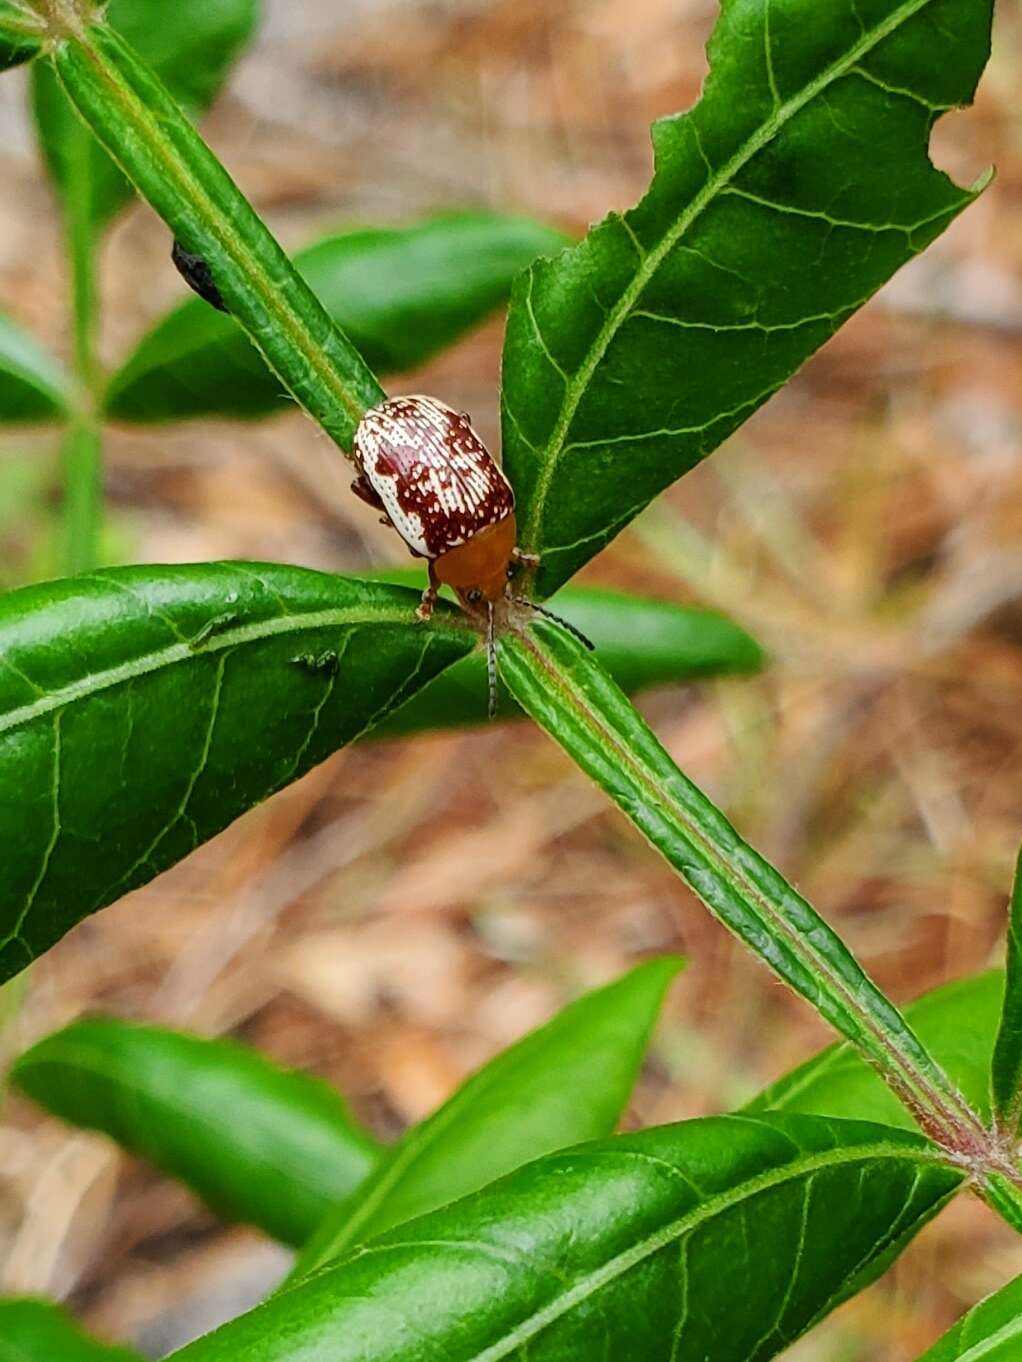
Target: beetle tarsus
x=526, y=559
x=424, y=610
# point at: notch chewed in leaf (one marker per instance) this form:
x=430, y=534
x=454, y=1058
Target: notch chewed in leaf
x=781, y=202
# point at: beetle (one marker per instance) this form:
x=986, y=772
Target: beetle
x=425, y=468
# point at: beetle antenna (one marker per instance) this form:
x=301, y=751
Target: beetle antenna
x=558, y=619
x=491, y=663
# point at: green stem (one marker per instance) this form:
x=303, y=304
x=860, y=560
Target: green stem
x=570, y=695
x=82, y=458
x=133, y=115
x=83, y=444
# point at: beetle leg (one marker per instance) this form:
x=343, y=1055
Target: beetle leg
x=526, y=559
x=425, y=607
x=365, y=491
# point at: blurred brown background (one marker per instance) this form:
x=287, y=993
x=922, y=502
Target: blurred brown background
x=410, y=908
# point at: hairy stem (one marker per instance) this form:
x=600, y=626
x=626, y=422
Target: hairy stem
x=139, y=123
x=566, y=690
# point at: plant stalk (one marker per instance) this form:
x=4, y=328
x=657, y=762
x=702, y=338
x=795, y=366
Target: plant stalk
x=83, y=442
x=567, y=692
x=139, y=123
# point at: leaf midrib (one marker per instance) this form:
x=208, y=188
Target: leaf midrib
x=288, y=319
x=576, y=387
x=985, y=1346
x=175, y=653
x=888, y=1049
x=617, y=1267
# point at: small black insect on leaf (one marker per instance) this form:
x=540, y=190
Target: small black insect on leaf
x=198, y=276
x=318, y=664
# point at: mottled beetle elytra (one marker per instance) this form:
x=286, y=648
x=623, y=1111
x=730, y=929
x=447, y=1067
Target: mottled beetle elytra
x=424, y=467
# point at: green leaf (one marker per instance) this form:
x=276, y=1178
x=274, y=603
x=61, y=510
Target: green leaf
x=797, y=185
x=137, y=120
x=956, y=1022
x=401, y=294
x=260, y=1144
x=191, y=45
x=724, y=1238
x=33, y=386
x=1006, y=1068
x=640, y=642
x=567, y=1082
x=569, y=694
x=143, y=709
x=991, y=1332
x=18, y=40
x=37, y=1331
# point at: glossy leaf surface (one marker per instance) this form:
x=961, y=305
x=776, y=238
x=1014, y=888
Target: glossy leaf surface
x=143, y=709
x=992, y=1332
x=1006, y=1069
x=191, y=44
x=401, y=294
x=143, y=127
x=796, y=186
x=33, y=387
x=37, y=1331
x=640, y=642
x=956, y=1022
x=258, y=1143
x=567, y=1082
x=571, y=696
x=722, y=1238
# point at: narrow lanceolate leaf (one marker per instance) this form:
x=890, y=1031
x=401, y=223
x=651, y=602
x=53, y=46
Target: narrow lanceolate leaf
x=33, y=387
x=796, y=186
x=258, y=1143
x=19, y=36
x=956, y=1022
x=569, y=1081
x=37, y=1331
x=723, y=1238
x=191, y=44
x=143, y=709
x=992, y=1332
x=640, y=642
x=1006, y=1070
x=144, y=129
x=569, y=694
x=401, y=294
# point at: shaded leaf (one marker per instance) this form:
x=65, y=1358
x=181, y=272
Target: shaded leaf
x=18, y=43
x=1006, y=1068
x=258, y=1143
x=33, y=386
x=796, y=186
x=724, y=1238
x=38, y=1331
x=143, y=709
x=569, y=694
x=956, y=1022
x=991, y=1332
x=566, y=1082
x=640, y=642
x=192, y=45
x=139, y=122
x=401, y=294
